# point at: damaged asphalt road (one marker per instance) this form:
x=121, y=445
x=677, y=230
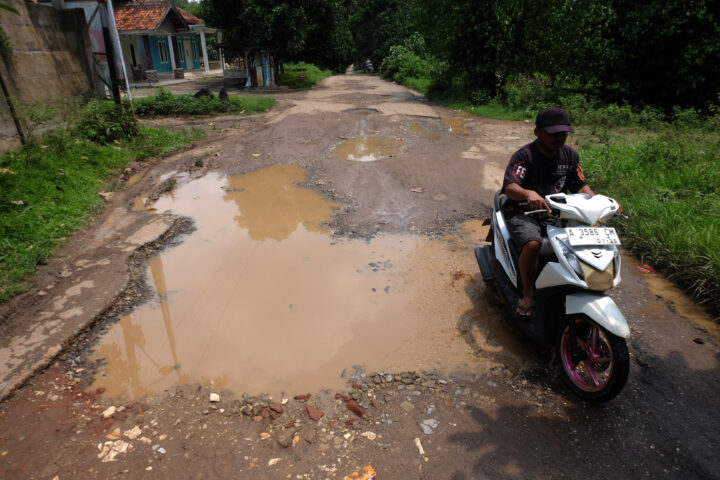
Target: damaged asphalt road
x=377, y=348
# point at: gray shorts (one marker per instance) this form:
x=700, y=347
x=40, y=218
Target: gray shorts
x=524, y=229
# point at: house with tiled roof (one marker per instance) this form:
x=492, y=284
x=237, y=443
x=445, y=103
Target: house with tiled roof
x=157, y=36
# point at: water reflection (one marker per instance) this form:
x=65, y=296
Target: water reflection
x=367, y=149
x=285, y=315
x=272, y=206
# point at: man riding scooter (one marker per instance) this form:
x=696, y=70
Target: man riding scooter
x=544, y=167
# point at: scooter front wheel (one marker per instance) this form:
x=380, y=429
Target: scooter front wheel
x=597, y=368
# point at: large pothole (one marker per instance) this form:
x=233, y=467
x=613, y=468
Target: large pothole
x=262, y=298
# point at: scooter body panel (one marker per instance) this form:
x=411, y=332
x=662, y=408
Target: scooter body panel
x=599, y=308
x=501, y=245
x=555, y=275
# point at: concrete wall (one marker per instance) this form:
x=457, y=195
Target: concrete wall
x=51, y=59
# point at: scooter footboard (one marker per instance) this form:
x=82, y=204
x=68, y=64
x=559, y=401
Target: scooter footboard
x=599, y=308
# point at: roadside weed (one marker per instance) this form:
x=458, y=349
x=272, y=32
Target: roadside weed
x=48, y=198
x=670, y=188
x=167, y=103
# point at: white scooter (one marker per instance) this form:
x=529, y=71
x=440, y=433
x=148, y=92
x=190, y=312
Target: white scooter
x=578, y=262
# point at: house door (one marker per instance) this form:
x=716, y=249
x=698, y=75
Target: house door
x=189, y=62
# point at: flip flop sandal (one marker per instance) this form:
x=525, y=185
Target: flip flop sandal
x=525, y=312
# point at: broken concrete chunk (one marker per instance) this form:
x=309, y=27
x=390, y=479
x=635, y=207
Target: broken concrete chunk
x=109, y=412
x=133, y=433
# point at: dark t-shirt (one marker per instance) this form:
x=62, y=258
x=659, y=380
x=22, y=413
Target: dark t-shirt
x=532, y=170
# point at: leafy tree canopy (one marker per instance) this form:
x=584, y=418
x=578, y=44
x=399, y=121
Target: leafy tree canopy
x=317, y=28
x=654, y=52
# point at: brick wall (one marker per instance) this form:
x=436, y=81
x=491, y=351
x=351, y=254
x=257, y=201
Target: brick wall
x=50, y=59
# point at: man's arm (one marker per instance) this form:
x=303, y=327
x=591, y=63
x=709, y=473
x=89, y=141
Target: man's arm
x=536, y=202
x=586, y=189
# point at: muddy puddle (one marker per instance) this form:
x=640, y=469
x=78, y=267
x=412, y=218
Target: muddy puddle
x=368, y=149
x=261, y=298
x=423, y=130
x=685, y=305
x=456, y=125
x=135, y=178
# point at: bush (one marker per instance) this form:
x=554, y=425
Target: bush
x=166, y=103
x=686, y=118
x=302, y=75
x=528, y=94
x=408, y=64
x=103, y=121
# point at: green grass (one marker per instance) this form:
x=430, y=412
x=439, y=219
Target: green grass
x=669, y=185
x=421, y=85
x=167, y=103
x=54, y=189
x=302, y=75
x=491, y=110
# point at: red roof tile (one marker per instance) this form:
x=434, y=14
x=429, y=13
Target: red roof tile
x=189, y=17
x=142, y=15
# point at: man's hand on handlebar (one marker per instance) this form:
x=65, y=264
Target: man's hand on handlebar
x=536, y=202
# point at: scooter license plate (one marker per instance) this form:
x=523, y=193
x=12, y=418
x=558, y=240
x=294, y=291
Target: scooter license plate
x=578, y=236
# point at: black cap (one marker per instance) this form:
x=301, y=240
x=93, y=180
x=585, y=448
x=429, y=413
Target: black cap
x=554, y=120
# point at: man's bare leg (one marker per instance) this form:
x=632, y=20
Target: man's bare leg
x=528, y=269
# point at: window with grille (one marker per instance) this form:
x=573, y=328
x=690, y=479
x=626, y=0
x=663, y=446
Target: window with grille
x=162, y=46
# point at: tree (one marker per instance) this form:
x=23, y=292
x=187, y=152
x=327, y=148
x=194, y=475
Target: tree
x=668, y=52
x=329, y=41
x=473, y=36
x=316, y=28
x=190, y=6
x=378, y=25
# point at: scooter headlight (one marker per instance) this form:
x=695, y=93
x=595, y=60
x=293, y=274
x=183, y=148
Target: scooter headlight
x=572, y=260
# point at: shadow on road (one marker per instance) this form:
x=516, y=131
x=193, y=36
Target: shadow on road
x=663, y=425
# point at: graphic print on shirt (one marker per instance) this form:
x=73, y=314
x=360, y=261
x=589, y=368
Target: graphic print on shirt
x=519, y=172
x=580, y=172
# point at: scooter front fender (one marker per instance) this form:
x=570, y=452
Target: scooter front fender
x=599, y=308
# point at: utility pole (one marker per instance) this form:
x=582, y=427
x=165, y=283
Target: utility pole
x=117, y=50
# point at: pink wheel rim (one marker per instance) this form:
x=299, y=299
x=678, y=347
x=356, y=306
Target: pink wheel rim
x=594, y=372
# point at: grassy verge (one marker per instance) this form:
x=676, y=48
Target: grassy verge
x=48, y=191
x=167, y=103
x=669, y=185
x=302, y=75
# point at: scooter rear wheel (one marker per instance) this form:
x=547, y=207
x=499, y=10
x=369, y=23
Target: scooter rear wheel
x=600, y=369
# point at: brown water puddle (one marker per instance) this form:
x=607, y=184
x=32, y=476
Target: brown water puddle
x=367, y=149
x=139, y=205
x=417, y=128
x=457, y=125
x=261, y=299
x=362, y=111
x=135, y=179
x=685, y=305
